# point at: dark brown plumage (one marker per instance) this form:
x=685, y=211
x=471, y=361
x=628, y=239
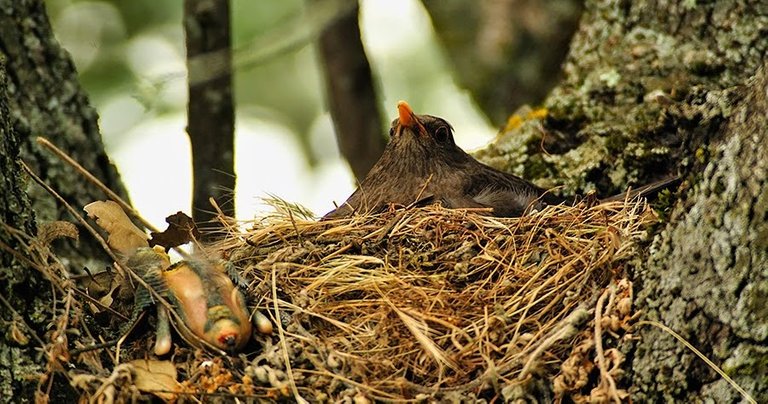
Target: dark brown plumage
x=422, y=164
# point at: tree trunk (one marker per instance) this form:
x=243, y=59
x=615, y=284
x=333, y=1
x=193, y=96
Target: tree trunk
x=45, y=99
x=708, y=276
x=652, y=89
x=40, y=96
x=505, y=52
x=350, y=93
x=210, y=110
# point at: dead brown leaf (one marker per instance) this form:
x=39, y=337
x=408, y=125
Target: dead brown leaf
x=156, y=377
x=124, y=236
x=181, y=230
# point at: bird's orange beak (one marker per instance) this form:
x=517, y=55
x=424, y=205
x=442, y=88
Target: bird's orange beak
x=408, y=119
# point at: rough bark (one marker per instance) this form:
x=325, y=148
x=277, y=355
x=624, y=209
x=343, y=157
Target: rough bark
x=505, y=52
x=210, y=109
x=16, y=210
x=651, y=89
x=45, y=99
x=708, y=277
x=351, y=94
x=39, y=96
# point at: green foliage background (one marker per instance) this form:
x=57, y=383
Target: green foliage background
x=130, y=56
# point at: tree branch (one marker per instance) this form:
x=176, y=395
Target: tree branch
x=210, y=111
x=351, y=94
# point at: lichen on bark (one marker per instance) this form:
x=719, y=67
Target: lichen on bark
x=16, y=211
x=40, y=96
x=653, y=89
x=45, y=99
x=708, y=274
x=617, y=117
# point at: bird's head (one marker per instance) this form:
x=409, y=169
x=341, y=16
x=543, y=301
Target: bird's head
x=427, y=130
x=225, y=330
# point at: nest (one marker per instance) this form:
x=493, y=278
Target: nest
x=408, y=304
x=429, y=302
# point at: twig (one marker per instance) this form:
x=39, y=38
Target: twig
x=283, y=342
x=159, y=298
x=104, y=188
x=122, y=338
x=421, y=192
x=90, y=177
x=698, y=353
x=18, y=317
x=604, y=375
x=92, y=347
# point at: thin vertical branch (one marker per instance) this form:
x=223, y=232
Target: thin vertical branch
x=351, y=94
x=210, y=109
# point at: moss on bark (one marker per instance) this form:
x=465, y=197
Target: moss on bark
x=708, y=274
x=653, y=89
x=39, y=96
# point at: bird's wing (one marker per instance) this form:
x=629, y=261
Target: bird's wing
x=508, y=195
x=506, y=202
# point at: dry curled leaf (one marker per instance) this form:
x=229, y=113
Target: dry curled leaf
x=156, y=377
x=124, y=236
x=17, y=335
x=47, y=232
x=181, y=230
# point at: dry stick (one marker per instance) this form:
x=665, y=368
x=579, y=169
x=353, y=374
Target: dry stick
x=112, y=255
x=295, y=228
x=39, y=268
x=222, y=217
x=90, y=177
x=30, y=263
x=93, y=347
x=99, y=304
x=421, y=192
x=604, y=375
x=698, y=353
x=33, y=244
x=122, y=338
x=104, y=188
x=79, y=292
x=280, y=331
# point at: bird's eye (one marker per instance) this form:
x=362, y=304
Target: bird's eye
x=392, y=131
x=441, y=133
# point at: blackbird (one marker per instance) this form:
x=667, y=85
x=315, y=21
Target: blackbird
x=422, y=164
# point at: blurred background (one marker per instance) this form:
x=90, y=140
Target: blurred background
x=131, y=59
